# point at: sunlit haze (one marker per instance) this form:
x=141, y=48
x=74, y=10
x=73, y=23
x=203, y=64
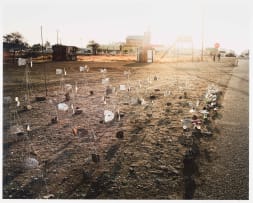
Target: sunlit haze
x=106, y=21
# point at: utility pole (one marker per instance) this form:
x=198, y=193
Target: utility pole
x=57, y=33
x=42, y=50
x=202, y=35
x=45, y=76
x=192, y=51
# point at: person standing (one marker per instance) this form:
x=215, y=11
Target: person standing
x=218, y=55
x=214, y=57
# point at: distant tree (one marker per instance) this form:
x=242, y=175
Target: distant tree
x=94, y=45
x=15, y=44
x=36, y=47
x=7, y=38
x=15, y=38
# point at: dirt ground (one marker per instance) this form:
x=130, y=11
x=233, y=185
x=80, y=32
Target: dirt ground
x=142, y=154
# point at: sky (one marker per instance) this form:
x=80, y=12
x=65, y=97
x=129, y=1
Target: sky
x=78, y=21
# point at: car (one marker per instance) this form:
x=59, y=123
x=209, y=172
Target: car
x=230, y=55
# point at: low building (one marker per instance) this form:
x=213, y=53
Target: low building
x=135, y=42
x=113, y=48
x=48, y=50
x=11, y=51
x=84, y=51
x=145, y=55
x=64, y=53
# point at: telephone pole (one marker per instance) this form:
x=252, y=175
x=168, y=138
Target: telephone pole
x=57, y=36
x=45, y=76
x=42, y=50
x=202, y=35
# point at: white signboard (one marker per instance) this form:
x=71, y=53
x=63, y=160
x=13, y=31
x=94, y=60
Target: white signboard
x=21, y=62
x=62, y=107
x=58, y=71
x=108, y=116
x=122, y=87
x=104, y=70
x=105, y=81
x=68, y=87
x=82, y=69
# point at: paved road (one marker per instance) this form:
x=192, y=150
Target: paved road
x=228, y=177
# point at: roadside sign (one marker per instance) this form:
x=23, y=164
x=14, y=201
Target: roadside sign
x=216, y=45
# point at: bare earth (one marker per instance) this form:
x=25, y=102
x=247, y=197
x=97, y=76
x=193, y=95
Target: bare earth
x=150, y=160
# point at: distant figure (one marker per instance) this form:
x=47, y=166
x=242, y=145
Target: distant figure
x=214, y=57
x=218, y=56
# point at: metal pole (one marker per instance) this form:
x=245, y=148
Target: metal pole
x=45, y=76
x=57, y=32
x=41, y=42
x=192, y=52
x=202, y=37
x=27, y=83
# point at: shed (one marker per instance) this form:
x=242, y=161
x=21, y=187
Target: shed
x=64, y=53
x=145, y=54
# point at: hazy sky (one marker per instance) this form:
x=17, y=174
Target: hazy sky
x=105, y=21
